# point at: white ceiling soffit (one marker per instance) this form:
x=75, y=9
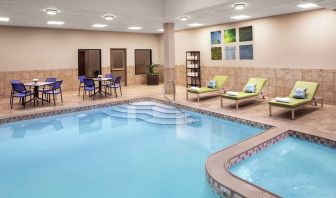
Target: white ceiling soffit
x=149, y=14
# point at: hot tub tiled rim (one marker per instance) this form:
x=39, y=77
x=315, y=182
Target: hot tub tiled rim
x=225, y=189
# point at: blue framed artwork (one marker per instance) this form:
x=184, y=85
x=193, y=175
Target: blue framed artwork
x=230, y=52
x=246, y=52
x=216, y=37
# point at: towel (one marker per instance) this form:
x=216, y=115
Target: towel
x=284, y=100
x=194, y=88
x=232, y=93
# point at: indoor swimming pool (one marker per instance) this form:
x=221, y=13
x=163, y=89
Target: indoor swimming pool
x=144, y=150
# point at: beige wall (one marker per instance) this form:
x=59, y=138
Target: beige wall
x=303, y=40
x=42, y=49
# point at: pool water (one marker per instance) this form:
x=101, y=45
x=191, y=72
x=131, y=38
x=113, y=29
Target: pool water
x=292, y=168
x=99, y=154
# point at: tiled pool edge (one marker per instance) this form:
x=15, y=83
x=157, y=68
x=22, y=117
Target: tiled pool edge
x=224, y=191
x=84, y=107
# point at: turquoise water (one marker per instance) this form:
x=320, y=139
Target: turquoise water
x=292, y=168
x=92, y=154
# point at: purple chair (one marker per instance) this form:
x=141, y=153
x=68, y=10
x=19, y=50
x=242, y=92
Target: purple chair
x=20, y=91
x=81, y=83
x=90, y=86
x=114, y=85
x=56, y=89
x=51, y=80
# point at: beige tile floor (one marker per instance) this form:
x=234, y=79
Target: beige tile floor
x=309, y=117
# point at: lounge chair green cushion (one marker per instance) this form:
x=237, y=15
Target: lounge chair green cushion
x=260, y=82
x=220, y=81
x=203, y=90
x=293, y=102
x=311, y=91
x=310, y=86
x=241, y=95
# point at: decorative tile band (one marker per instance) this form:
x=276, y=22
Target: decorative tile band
x=224, y=191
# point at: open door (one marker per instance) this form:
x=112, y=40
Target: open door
x=119, y=64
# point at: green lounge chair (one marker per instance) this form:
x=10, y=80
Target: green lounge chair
x=294, y=103
x=242, y=95
x=220, y=82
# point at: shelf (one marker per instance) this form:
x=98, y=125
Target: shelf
x=193, y=69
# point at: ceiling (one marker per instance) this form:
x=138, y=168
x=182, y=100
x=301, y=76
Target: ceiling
x=149, y=14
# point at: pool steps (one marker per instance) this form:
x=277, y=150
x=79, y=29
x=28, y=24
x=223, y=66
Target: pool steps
x=151, y=113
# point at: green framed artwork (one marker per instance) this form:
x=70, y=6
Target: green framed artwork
x=216, y=53
x=245, y=34
x=216, y=37
x=230, y=35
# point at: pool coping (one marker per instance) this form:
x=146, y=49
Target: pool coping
x=220, y=179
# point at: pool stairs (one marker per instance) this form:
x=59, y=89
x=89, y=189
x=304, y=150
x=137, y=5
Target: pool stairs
x=151, y=112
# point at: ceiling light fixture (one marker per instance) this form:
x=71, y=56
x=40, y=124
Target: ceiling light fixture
x=240, y=17
x=99, y=25
x=135, y=28
x=307, y=5
x=5, y=19
x=195, y=24
x=55, y=22
x=109, y=17
x=51, y=11
x=160, y=30
x=184, y=18
x=239, y=6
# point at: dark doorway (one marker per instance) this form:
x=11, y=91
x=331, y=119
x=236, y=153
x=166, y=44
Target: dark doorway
x=118, y=63
x=89, y=62
x=143, y=58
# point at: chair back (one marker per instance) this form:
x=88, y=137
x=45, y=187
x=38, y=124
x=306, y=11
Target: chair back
x=220, y=81
x=88, y=82
x=117, y=80
x=51, y=79
x=57, y=84
x=310, y=86
x=15, y=81
x=108, y=76
x=259, y=82
x=81, y=79
x=19, y=87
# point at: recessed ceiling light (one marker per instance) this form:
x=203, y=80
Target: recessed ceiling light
x=55, y=22
x=5, y=19
x=135, y=28
x=195, y=24
x=109, y=17
x=160, y=30
x=51, y=11
x=240, y=17
x=239, y=6
x=307, y=5
x=184, y=18
x=99, y=25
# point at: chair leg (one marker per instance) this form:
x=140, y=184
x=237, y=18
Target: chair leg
x=24, y=102
x=270, y=110
x=42, y=98
x=84, y=93
x=115, y=90
x=11, y=102
x=61, y=97
x=54, y=99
